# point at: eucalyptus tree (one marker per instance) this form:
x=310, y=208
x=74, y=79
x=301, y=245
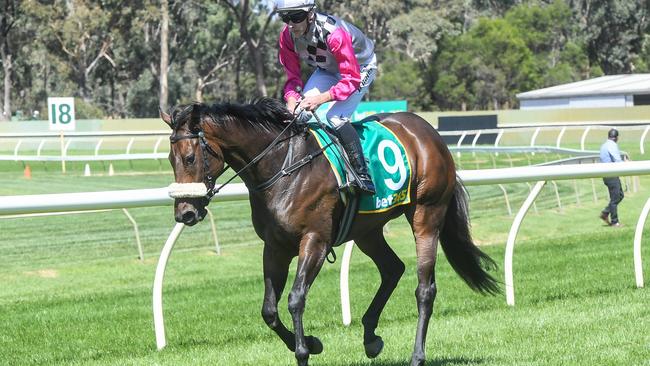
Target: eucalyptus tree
x=163, y=97
x=254, y=18
x=15, y=34
x=7, y=23
x=215, y=48
x=79, y=35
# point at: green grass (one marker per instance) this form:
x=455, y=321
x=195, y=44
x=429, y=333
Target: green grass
x=576, y=305
x=74, y=293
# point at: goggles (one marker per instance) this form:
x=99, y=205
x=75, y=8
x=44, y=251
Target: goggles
x=294, y=17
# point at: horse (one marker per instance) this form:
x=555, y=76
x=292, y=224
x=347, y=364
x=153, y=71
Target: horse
x=298, y=214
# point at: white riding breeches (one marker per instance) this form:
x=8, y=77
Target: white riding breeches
x=340, y=111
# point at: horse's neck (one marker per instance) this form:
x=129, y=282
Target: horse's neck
x=248, y=147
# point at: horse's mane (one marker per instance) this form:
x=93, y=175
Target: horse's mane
x=264, y=114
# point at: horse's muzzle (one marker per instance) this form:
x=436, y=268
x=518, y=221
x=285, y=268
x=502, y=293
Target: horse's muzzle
x=190, y=211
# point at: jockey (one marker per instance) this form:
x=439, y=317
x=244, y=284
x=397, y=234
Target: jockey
x=344, y=64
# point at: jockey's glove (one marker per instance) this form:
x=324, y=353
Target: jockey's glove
x=304, y=116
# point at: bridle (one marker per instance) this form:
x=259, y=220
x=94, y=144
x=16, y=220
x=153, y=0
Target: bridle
x=210, y=181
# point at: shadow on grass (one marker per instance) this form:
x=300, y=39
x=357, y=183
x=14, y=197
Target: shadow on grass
x=430, y=362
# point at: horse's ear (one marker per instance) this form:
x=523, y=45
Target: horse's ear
x=166, y=117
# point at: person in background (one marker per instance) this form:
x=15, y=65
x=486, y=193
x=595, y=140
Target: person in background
x=609, y=153
x=344, y=65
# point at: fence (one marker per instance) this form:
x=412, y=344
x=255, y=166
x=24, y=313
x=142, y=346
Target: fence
x=99, y=140
x=16, y=205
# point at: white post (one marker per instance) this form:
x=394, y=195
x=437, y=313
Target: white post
x=643, y=135
x=128, y=147
x=475, y=140
x=584, y=137
x=593, y=189
x=155, y=148
x=559, y=137
x=345, y=289
x=638, y=233
x=214, y=233
x=460, y=142
x=137, y=233
x=557, y=196
x=496, y=141
x=510, y=244
x=40, y=147
x=158, y=321
x=505, y=195
x=99, y=144
x=20, y=142
x=532, y=140
x=63, y=153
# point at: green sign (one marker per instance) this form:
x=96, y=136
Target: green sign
x=366, y=109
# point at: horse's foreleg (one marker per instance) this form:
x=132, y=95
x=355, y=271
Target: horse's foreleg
x=390, y=268
x=311, y=257
x=426, y=224
x=276, y=269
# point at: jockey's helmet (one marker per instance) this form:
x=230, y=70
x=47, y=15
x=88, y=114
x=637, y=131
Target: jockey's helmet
x=292, y=5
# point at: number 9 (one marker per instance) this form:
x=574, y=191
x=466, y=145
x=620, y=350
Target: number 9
x=392, y=169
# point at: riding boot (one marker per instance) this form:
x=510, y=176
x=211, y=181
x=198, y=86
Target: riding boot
x=352, y=145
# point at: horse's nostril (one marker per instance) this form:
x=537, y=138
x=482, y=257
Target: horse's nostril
x=188, y=216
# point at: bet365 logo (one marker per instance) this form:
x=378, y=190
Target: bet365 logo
x=390, y=200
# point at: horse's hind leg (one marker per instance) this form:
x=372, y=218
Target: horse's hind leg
x=276, y=269
x=426, y=222
x=390, y=268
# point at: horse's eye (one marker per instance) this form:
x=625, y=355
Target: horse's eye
x=189, y=159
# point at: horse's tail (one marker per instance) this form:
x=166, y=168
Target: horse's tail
x=467, y=260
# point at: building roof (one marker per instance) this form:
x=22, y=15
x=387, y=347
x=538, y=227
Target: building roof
x=604, y=85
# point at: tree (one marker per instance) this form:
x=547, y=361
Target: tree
x=254, y=20
x=484, y=68
x=418, y=32
x=548, y=30
x=216, y=46
x=164, y=54
x=613, y=32
x=371, y=16
x=8, y=34
x=79, y=36
x=400, y=78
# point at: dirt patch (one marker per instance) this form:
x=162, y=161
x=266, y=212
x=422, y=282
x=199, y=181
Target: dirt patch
x=44, y=273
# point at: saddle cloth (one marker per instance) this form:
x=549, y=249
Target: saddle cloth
x=387, y=163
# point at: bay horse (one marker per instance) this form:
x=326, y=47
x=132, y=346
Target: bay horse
x=299, y=214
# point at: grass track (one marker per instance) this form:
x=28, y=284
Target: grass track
x=73, y=293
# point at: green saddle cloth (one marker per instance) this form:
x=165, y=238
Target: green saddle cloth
x=388, y=165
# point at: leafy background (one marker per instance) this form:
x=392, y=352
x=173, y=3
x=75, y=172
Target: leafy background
x=437, y=54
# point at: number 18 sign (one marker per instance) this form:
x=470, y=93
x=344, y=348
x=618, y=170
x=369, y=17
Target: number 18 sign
x=61, y=114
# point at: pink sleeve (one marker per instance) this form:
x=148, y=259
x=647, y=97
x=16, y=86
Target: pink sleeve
x=291, y=62
x=340, y=44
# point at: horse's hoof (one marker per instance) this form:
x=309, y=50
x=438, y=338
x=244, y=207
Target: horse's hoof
x=374, y=348
x=314, y=344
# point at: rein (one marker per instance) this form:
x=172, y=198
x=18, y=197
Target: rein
x=287, y=166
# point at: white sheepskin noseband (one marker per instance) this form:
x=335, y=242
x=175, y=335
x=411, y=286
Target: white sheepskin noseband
x=187, y=190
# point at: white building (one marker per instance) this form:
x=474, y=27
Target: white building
x=606, y=91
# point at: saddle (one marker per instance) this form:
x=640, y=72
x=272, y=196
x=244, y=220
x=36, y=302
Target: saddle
x=387, y=163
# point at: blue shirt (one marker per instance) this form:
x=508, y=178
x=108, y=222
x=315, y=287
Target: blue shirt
x=609, y=152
